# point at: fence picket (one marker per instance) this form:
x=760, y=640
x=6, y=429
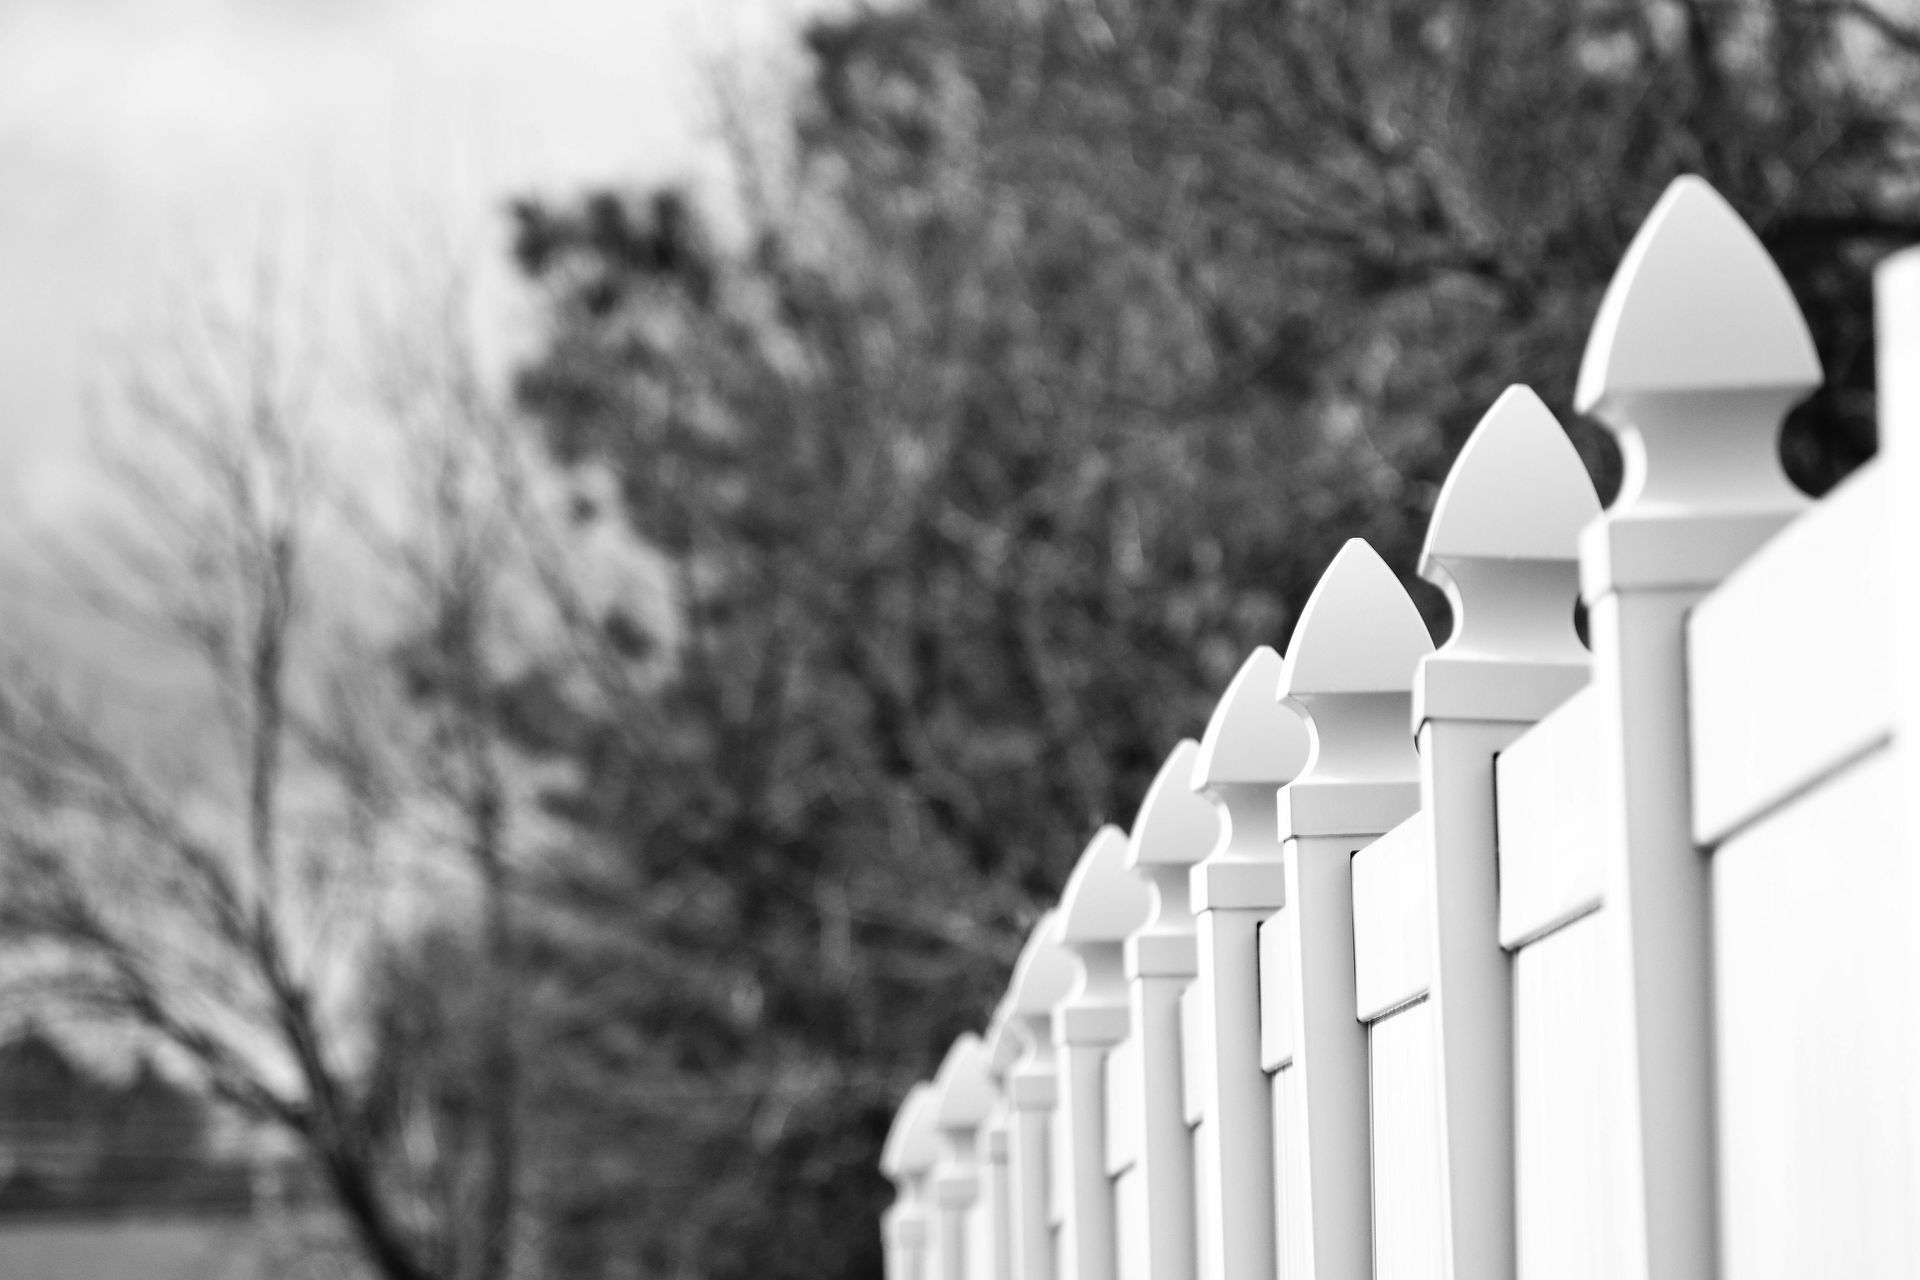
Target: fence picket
x=907, y=1159
x=1503, y=544
x=1172, y=831
x=963, y=1099
x=1253, y=745
x=994, y=1259
x=1697, y=354
x=1041, y=979
x=1349, y=672
x=1100, y=906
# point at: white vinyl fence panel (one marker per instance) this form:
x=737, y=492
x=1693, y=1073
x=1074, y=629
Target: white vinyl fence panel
x=1519, y=958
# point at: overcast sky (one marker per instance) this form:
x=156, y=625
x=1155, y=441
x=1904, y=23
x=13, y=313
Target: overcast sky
x=145, y=141
x=139, y=136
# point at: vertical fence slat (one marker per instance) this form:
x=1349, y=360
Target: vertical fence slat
x=1697, y=354
x=1253, y=745
x=1349, y=672
x=1410, y=1238
x=1393, y=979
x=1565, y=1161
x=1554, y=826
x=1815, y=1110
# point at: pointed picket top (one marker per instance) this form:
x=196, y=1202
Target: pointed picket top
x=1173, y=826
x=1043, y=974
x=1254, y=745
x=1358, y=634
x=1350, y=670
x=1102, y=902
x=964, y=1085
x=1504, y=545
x=1518, y=490
x=1698, y=352
x=913, y=1143
x=1696, y=305
x=1251, y=738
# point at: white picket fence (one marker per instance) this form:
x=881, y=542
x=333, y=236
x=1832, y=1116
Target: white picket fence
x=1510, y=958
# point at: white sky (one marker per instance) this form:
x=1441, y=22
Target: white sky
x=138, y=137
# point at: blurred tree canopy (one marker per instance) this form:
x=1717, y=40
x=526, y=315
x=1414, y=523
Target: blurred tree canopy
x=1068, y=340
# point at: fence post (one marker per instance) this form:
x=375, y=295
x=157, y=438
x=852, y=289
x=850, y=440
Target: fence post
x=1349, y=672
x=1253, y=746
x=1100, y=906
x=1503, y=545
x=1172, y=831
x=963, y=1098
x=907, y=1159
x=1041, y=979
x=1696, y=355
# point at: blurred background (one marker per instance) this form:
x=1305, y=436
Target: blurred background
x=577, y=572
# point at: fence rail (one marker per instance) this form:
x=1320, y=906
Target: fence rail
x=1521, y=957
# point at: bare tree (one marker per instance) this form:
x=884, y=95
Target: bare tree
x=230, y=881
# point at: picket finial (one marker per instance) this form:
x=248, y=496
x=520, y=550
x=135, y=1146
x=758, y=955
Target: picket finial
x=1249, y=739
x=1696, y=305
x=1350, y=673
x=1173, y=829
x=1697, y=353
x=1042, y=975
x=1518, y=490
x=913, y=1143
x=963, y=1085
x=1504, y=545
x=1102, y=903
x=1358, y=634
x=1253, y=746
